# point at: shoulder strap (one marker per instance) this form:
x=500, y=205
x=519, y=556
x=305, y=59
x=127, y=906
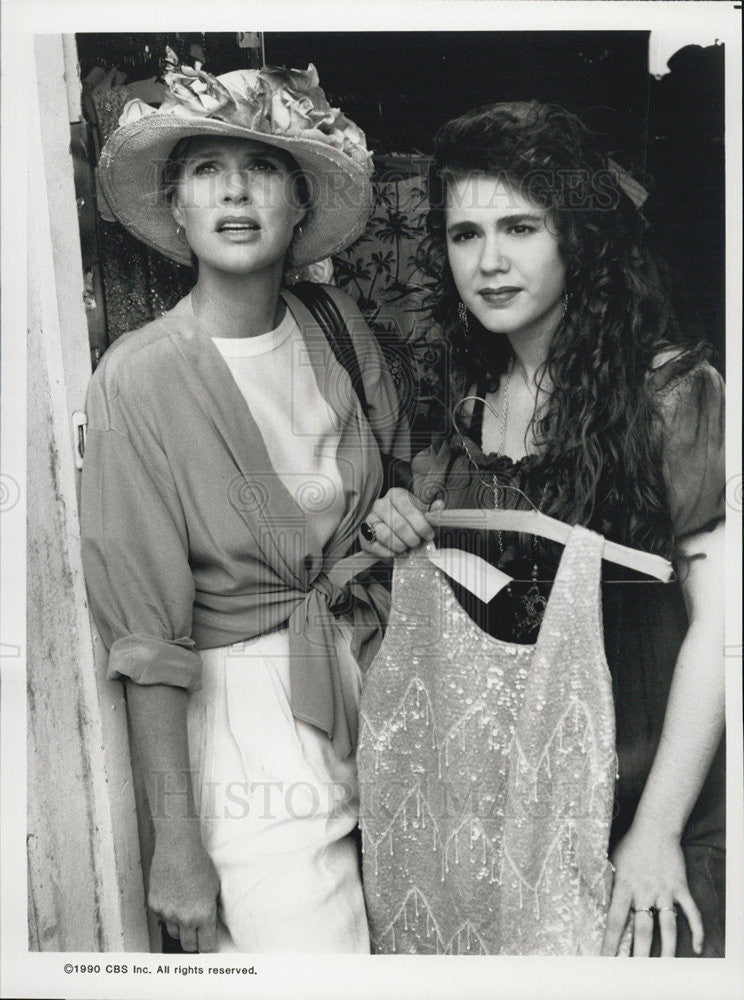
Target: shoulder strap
x=325, y=311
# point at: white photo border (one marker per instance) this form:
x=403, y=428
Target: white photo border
x=35, y=974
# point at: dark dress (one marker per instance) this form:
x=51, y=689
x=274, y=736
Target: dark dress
x=644, y=621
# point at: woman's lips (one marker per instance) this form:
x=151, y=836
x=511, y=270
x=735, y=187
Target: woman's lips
x=239, y=230
x=499, y=296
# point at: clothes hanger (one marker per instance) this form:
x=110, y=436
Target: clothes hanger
x=534, y=522
x=488, y=579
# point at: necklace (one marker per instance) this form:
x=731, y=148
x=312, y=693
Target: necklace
x=502, y=438
x=533, y=602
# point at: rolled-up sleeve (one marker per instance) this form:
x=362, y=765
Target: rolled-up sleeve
x=135, y=559
x=691, y=412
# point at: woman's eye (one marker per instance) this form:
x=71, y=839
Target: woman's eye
x=207, y=167
x=264, y=166
x=463, y=236
x=521, y=229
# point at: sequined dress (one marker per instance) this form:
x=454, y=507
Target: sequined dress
x=644, y=621
x=487, y=772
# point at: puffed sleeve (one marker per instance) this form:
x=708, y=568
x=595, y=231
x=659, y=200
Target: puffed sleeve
x=691, y=410
x=135, y=559
x=387, y=417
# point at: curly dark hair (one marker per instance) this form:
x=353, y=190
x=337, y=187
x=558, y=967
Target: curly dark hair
x=596, y=448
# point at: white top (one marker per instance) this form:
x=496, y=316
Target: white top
x=285, y=886
x=300, y=430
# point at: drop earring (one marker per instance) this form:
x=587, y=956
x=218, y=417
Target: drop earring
x=462, y=315
x=565, y=304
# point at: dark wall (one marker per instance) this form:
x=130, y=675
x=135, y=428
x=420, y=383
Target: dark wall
x=686, y=165
x=403, y=85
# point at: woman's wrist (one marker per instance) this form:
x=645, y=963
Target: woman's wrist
x=659, y=823
x=172, y=806
x=178, y=831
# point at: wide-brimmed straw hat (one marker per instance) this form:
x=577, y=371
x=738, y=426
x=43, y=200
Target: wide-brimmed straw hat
x=279, y=107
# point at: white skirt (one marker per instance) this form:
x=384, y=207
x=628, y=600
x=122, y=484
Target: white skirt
x=277, y=807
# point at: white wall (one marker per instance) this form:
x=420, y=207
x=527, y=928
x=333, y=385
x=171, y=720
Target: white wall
x=85, y=879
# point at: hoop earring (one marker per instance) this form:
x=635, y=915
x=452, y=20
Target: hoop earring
x=462, y=315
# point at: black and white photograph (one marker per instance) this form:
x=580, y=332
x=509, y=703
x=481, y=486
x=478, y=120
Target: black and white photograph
x=371, y=500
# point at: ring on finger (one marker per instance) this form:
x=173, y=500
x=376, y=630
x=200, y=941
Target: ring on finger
x=368, y=530
x=643, y=909
x=669, y=909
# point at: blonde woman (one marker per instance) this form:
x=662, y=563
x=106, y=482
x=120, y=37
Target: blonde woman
x=227, y=469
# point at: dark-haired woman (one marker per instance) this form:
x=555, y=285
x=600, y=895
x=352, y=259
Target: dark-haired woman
x=228, y=465
x=577, y=389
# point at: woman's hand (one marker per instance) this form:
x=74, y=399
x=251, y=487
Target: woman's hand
x=649, y=861
x=650, y=878
x=183, y=880
x=398, y=522
x=184, y=886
